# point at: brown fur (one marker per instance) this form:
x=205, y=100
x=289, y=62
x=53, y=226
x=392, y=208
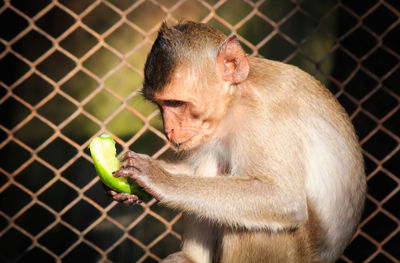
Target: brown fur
x=274, y=170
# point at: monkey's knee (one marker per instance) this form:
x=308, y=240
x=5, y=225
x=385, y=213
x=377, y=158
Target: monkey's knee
x=178, y=257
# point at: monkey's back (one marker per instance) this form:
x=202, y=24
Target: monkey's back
x=334, y=175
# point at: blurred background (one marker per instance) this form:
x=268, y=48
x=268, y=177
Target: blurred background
x=72, y=69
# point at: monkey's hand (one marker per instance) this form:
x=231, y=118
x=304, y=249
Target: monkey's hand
x=143, y=169
x=124, y=198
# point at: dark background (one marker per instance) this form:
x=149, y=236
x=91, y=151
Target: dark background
x=71, y=70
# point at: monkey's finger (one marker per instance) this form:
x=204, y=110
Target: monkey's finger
x=126, y=172
x=127, y=199
x=132, y=201
x=130, y=159
x=128, y=155
x=133, y=155
x=108, y=190
x=124, y=198
x=128, y=162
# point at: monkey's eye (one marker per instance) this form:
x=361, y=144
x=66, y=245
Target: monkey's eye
x=173, y=103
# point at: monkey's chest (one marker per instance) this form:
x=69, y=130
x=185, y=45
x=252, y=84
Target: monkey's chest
x=211, y=166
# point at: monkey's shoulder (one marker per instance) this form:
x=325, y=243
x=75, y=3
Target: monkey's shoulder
x=286, y=84
x=285, y=76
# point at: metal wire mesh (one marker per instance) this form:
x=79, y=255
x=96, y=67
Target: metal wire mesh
x=71, y=70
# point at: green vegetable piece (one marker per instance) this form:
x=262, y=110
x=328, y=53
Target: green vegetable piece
x=105, y=161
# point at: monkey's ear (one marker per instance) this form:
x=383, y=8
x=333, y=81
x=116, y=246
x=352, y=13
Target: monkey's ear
x=232, y=61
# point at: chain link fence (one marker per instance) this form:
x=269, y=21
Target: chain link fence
x=72, y=69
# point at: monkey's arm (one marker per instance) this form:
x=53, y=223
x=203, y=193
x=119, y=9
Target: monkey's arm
x=174, y=167
x=251, y=202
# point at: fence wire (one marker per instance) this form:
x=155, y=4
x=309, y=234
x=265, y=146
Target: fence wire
x=71, y=69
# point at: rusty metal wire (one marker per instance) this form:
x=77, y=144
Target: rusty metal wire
x=47, y=213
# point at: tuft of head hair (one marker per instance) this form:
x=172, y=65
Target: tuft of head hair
x=183, y=44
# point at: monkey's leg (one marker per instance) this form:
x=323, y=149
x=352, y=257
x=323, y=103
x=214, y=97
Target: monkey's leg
x=178, y=257
x=199, y=238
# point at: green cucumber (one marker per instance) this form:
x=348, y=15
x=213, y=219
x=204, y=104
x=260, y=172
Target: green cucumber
x=105, y=161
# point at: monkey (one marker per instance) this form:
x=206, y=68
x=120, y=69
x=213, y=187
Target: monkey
x=273, y=171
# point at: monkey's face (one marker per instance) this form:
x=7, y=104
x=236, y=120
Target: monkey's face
x=194, y=92
x=191, y=110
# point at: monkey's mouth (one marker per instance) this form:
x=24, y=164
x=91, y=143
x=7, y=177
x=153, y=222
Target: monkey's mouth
x=183, y=145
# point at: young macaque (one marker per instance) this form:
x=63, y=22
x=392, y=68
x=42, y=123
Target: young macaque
x=274, y=171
